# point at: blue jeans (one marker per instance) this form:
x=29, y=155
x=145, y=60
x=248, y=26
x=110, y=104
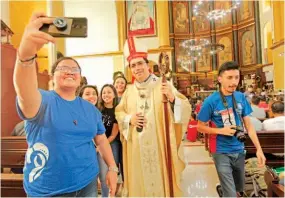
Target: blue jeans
x=115, y=146
x=230, y=168
x=88, y=191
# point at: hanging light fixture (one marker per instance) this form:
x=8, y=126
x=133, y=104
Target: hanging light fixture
x=193, y=49
x=216, y=14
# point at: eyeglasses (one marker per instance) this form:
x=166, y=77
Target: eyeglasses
x=140, y=63
x=66, y=69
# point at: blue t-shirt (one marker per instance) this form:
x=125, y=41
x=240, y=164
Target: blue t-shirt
x=61, y=157
x=214, y=110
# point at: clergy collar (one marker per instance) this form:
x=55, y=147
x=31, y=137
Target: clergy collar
x=151, y=79
x=145, y=79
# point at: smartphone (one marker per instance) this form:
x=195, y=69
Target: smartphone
x=66, y=27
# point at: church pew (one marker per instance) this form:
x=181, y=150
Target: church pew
x=13, y=150
x=12, y=185
x=270, y=141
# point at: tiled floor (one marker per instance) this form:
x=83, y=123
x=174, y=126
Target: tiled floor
x=199, y=179
x=200, y=176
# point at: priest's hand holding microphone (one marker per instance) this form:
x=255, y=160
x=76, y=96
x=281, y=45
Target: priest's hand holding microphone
x=139, y=120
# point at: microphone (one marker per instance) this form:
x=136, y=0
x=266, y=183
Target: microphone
x=141, y=106
x=140, y=129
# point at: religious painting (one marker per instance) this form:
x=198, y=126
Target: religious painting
x=227, y=19
x=141, y=19
x=183, y=62
x=201, y=23
x=245, y=10
x=180, y=16
x=247, y=46
x=226, y=54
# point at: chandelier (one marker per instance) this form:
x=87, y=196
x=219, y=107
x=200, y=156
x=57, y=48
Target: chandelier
x=216, y=14
x=193, y=49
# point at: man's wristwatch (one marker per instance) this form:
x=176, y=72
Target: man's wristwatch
x=114, y=169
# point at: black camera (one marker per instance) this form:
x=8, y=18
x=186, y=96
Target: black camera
x=66, y=27
x=239, y=134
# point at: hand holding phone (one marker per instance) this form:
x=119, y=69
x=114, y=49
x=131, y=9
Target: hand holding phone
x=66, y=27
x=33, y=39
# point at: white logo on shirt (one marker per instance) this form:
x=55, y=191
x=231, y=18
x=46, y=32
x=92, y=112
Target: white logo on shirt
x=40, y=160
x=228, y=117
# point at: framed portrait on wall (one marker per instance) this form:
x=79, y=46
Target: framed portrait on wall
x=141, y=18
x=180, y=17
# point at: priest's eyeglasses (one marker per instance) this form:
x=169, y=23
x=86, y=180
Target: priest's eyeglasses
x=140, y=63
x=66, y=69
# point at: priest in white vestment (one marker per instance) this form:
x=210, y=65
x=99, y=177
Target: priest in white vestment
x=144, y=153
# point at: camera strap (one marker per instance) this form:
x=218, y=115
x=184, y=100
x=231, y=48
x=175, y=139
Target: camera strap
x=225, y=103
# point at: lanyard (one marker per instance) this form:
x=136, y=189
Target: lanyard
x=225, y=103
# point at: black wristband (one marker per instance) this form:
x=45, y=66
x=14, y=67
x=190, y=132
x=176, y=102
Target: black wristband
x=28, y=60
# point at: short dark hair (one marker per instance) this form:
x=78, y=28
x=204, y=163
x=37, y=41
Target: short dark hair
x=59, y=55
x=255, y=100
x=193, y=115
x=262, y=98
x=280, y=98
x=229, y=65
x=277, y=107
x=53, y=67
x=145, y=59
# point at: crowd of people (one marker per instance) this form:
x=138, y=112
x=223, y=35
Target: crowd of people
x=76, y=136
x=79, y=135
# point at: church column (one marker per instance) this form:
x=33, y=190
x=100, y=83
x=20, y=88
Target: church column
x=120, y=8
x=235, y=36
x=57, y=9
x=258, y=33
x=191, y=29
x=278, y=15
x=171, y=35
x=119, y=64
x=18, y=22
x=213, y=38
x=162, y=16
x=278, y=45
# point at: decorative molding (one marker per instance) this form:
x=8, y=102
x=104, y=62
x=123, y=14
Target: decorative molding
x=120, y=53
x=190, y=74
x=277, y=44
x=116, y=53
x=241, y=26
x=251, y=67
x=224, y=30
x=160, y=49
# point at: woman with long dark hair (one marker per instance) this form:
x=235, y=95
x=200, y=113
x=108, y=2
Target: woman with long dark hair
x=107, y=105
